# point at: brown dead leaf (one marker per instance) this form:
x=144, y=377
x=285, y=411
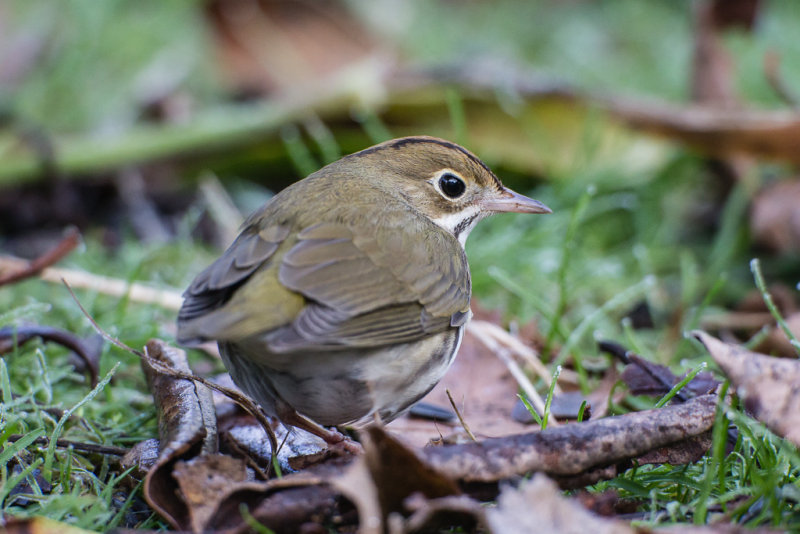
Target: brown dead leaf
x=775, y=216
x=386, y=475
x=455, y=512
x=770, y=387
x=142, y=455
x=203, y=482
x=776, y=342
x=538, y=505
x=268, y=45
x=717, y=132
x=644, y=377
x=606, y=503
x=39, y=525
x=186, y=428
x=680, y=453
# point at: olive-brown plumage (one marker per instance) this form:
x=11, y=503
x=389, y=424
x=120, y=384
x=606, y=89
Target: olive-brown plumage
x=346, y=295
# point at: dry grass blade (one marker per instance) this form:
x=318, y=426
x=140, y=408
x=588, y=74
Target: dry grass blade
x=485, y=332
x=461, y=420
x=169, y=299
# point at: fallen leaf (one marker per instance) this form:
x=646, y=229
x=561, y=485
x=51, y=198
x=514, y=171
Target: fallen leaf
x=644, y=377
x=680, y=453
x=768, y=385
x=537, y=505
x=203, y=482
x=777, y=344
x=387, y=474
x=775, y=216
x=265, y=45
x=186, y=428
x=39, y=525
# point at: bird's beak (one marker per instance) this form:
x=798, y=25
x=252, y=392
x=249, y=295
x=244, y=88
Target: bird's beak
x=512, y=202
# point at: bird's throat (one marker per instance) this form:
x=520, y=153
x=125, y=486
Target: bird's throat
x=461, y=223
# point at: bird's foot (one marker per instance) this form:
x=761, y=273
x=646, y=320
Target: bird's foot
x=337, y=442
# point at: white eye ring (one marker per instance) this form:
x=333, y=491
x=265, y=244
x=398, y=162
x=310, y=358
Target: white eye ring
x=450, y=184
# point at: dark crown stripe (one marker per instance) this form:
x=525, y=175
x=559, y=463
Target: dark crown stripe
x=403, y=141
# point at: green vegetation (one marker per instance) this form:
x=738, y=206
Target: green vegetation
x=655, y=225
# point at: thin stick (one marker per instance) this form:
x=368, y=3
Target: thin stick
x=460, y=418
x=77, y=445
x=166, y=298
x=25, y=269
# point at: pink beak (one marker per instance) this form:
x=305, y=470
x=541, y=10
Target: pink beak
x=512, y=202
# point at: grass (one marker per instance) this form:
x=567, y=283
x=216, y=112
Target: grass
x=663, y=233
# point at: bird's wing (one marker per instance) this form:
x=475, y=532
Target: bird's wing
x=337, y=285
x=204, y=305
x=388, y=283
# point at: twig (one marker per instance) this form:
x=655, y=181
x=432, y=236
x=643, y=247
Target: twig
x=221, y=207
x=460, y=418
x=573, y=448
x=29, y=269
x=76, y=445
x=11, y=336
x=170, y=299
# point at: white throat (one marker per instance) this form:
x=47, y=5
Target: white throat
x=452, y=222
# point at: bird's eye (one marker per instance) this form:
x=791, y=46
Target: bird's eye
x=451, y=185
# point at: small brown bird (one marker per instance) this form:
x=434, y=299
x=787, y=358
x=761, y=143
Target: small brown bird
x=346, y=295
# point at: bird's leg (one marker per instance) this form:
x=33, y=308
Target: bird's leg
x=335, y=439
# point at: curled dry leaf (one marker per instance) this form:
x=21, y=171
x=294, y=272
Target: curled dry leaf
x=186, y=428
x=644, y=377
x=387, y=474
x=537, y=505
x=87, y=351
x=768, y=385
x=203, y=482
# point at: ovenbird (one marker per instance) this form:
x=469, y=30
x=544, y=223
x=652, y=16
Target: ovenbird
x=346, y=295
